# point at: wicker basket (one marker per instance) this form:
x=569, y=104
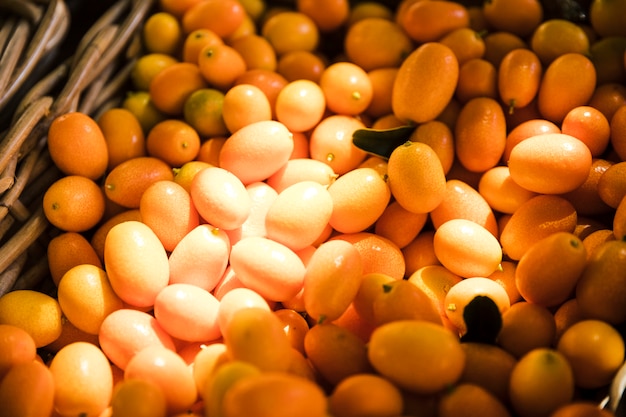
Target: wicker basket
x=90, y=80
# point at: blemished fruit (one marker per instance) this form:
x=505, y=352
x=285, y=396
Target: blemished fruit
x=322, y=209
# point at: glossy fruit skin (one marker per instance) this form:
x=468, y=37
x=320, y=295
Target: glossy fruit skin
x=480, y=134
x=541, y=280
x=416, y=177
x=27, y=390
x=553, y=163
x=136, y=263
x=416, y=355
x=83, y=379
x=603, y=272
x=569, y=81
x=275, y=394
x=596, y=351
x=425, y=83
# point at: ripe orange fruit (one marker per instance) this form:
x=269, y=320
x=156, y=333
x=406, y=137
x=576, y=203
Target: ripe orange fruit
x=535, y=219
x=299, y=214
x=336, y=352
x=173, y=85
x=519, y=77
x=593, y=367
x=300, y=105
x=556, y=37
x=568, y=82
x=127, y=331
x=256, y=151
x=541, y=281
x=126, y=183
x=67, y=250
x=425, y=82
x=365, y=394
x=162, y=33
x=136, y=263
x=607, y=18
x=402, y=300
x=276, y=394
x=331, y=142
x=376, y=42
x=256, y=51
x=552, y=386
x=255, y=335
x=428, y=22
x=270, y=82
x=347, y=88
x=466, y=43
x=37, y=400
x=553, y=163
x=83, y=379
x=138, y=398
x=379, y=254
x=416, y=177
x=499, y=43
x=167, y=369
x=220, y=65
x=173, y=141
x=325, y=296
x=196, y=41
x=99, y=235
x=399, y=348
x=221, y=17
x=466, y=248
x=477, y=78
x=470, y=399
x=298, y=65
x=123, y=134
x=480, y=134
x=74, y=203
x=77, y=145
x=17, y=346
x=290, y=31
x=245, y=104
x=328, y=15
x=359, y=198
x=488, y=366
x=520, y=18
x=603, y=266
x=86, y=297
x=167, y=209
x=526, y=326
x=618, y=138
x=399, y=225
x=147, y=66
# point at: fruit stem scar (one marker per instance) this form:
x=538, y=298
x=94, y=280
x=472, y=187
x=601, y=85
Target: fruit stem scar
x=451, y=307
x=330, y=157
x=110, y=187
x=55, y=206
x=322, y=319
x=574, y=243
x=356, y=95
x=387, y=288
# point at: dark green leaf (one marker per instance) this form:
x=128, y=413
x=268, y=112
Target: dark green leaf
x=381, y=142
x=483, y=320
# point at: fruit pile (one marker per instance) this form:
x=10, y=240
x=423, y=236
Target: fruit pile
x=328, y=208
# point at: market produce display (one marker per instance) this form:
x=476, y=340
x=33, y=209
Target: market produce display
x=326, y=208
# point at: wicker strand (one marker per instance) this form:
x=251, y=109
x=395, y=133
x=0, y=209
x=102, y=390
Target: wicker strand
x=11, y=143
x=48, y=29
x=21, y=241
